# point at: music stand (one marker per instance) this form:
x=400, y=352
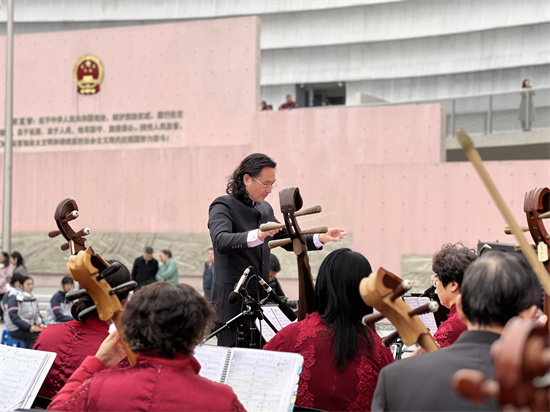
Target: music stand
x=252, y=310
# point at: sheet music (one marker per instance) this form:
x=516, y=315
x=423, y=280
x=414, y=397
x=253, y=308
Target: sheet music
x=428, y=319
x=22, y=372
x=276, y=316
x=264, y=380
x=213, y=360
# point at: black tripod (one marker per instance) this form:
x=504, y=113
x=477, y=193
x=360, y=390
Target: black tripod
x=252, y=310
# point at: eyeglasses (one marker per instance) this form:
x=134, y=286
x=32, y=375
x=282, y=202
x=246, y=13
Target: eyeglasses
x=434, y=280
x=268, y=186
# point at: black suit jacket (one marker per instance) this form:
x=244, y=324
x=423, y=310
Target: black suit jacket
x=229, y=222
x=423, y=383
x=144, y=272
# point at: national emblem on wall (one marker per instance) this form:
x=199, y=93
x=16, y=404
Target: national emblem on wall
x=88, y=74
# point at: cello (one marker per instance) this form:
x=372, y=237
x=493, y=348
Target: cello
x=522, y=370
x=513, y=227
x=291, y=203
x=90, y=270
x=520, y=364
x=536, y=206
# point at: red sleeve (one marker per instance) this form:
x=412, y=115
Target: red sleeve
x=276, y=342
x=236, y=405
x=449, y=331
x=73, y=396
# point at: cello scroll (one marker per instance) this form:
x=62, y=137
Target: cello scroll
x=381, y=291
x=89, y=269
x=291, y=203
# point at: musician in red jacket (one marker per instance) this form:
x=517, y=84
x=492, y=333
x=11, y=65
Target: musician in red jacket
x=73, y=341
x=342, y=357
x=449, y=265
x=163, y=323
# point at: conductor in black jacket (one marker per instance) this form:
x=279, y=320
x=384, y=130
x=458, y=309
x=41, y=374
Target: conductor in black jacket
x=234, y=221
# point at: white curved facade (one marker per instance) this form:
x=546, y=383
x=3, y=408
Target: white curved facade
x=393, y=51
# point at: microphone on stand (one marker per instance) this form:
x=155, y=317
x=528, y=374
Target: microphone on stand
x=289, y=313
x=233, y=296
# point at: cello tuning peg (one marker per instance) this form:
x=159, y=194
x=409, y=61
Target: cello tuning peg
x=544, y=215
x=279, y=242
x=369, y=320
x=82, y=232
x=390, y=339
x=75, y=294
x=517, y=248
x=71, y=216
x=65, y=246
x=508, y=230
x=54, y=233
x=400, y=290
x=431, y=306
x=125, y=287
x=87, y=313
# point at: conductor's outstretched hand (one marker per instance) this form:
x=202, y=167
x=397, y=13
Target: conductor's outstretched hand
x=332, y=235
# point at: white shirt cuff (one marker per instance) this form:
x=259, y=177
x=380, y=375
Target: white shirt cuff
x=317, y=242
x=252, y=239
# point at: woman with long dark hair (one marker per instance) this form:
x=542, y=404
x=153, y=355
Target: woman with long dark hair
x=342, y=357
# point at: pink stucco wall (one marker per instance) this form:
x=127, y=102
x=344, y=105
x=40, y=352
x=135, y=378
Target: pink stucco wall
x=377, y=171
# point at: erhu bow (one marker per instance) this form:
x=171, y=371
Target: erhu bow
x=291, y=203
x=90, y=270
x=535, y=202
x=383, y=290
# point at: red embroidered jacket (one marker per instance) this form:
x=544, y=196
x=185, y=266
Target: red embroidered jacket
x=152, y=384
x=450, y=330
x=322, y=385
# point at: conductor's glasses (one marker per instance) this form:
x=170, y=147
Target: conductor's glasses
x=434, y=280
x=267, y=185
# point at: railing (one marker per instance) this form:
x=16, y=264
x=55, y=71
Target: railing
x=493, y=113
x=500, y=112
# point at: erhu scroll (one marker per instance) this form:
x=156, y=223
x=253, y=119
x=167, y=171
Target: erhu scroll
x=382, y=290
x=291, y=203
x=90, y=270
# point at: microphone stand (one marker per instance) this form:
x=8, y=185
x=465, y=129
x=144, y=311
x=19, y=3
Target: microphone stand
x=252, y=310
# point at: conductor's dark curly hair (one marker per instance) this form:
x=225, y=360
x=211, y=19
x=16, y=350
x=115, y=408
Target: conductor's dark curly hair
x=166, y=318
x=251, y=165
x=451, y=261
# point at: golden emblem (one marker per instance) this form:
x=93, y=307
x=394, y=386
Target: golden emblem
x=88, y=74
